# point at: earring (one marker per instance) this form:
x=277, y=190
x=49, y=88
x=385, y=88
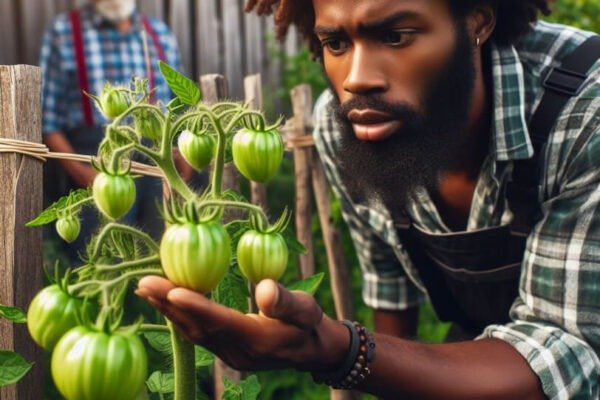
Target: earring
x=477, y=41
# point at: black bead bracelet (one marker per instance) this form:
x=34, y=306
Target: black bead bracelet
x=355, y=367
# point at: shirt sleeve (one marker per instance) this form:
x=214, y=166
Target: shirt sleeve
x=385, y=284
x=53, y=80
x=556, y=318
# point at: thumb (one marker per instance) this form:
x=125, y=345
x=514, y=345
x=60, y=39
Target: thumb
x=296, y=308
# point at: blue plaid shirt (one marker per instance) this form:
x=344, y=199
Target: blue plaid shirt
x=110, y=56
x=556, y=318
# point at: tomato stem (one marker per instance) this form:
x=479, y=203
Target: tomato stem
x=113, y=226
x=235, y=204
x=183, y=365
x=152, y=260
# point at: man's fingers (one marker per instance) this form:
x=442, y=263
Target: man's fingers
x=297, y=308
x=154, y=286
x=212, y=316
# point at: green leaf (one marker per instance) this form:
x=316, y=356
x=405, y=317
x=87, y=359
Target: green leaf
x=183, y=87
x=50, y=214
x=12, y=367
x=159, y=341
x=308, y=285
x=232, y=292
x=160, y=382
x=13, y=314
x=248, y=389
x=294, y=246
x=203, y=357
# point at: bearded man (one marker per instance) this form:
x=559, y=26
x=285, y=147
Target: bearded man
x=101, y=42
x=463, y=140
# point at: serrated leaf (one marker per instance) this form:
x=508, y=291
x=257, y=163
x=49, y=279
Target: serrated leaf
x=50, y=214
x=232, y=292
x=184, y=88
x=203, y=357
x=13, y=314
x=308, y=285
x=12, y=367
x=161, y=382
x=248, y=389
x=159, y=341
x=294, y=246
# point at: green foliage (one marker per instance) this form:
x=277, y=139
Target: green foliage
x=583, y=14
x=12, y=367
x=247, y=389
x=309, y=285
x=184, y=88
x=13, y=314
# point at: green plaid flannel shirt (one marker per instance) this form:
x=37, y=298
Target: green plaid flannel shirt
x=556, y=318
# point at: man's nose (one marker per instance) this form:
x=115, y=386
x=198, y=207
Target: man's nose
x=366, y=74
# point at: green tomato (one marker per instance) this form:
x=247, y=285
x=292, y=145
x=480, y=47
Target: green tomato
x=113, y=102
x=257, y=155
x=114, y=195
x=197, y=150
x=195, y=256
x=68, y=228
x=51, y=314
x=147, y=125
x=262, y=255
x=91, y=365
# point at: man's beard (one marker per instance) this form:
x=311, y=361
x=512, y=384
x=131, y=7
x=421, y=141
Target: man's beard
x=389, y=171
x=115, y=10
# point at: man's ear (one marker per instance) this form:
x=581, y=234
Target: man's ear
x=481, y=23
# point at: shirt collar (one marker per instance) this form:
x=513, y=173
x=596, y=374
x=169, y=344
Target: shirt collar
x=510, y=135
x=99, y=22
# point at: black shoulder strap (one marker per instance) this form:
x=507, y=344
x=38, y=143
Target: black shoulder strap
x=560, y=84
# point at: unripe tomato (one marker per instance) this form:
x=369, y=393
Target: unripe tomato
x=92, y=365
x=114, y=195
x=68, y=228
x=147, y=125
x=113, y=102
x=257, y=155
x=262, y=255
x=51, y=314
x=195, y=256
x=197, y=150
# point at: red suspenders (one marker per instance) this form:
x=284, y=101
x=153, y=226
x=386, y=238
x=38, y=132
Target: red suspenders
x=86, y=103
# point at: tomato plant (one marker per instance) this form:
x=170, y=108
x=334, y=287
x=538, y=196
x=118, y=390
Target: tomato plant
x=257, y=154
x=94, y=365
x=52, y=313
x=104, y=359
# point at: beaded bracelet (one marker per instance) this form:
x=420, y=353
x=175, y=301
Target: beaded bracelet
x=355, y=367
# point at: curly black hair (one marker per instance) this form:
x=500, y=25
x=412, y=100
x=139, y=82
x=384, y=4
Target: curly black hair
x=513, y=17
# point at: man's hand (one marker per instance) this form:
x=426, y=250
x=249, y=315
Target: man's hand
x=290, y=330
x=263, y=7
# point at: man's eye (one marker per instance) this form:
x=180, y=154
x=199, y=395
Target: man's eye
x=397, y=38
x=335, y=46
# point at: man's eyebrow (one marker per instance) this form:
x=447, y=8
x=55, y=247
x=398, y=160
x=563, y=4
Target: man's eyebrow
x=387, y=22
x=371, y=26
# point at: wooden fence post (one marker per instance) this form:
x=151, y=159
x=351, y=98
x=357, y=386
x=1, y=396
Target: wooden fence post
x=20, y=201
x=214, y=89
x=302, y=106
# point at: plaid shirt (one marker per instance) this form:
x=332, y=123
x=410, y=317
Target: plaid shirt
x=110, y=57
x=556, y=318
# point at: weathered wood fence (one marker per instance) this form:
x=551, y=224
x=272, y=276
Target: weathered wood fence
x=21, y=200
x=214, y=36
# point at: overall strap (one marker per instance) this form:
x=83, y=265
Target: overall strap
x=86, y=103
x=159, y=49
x=560, y=84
